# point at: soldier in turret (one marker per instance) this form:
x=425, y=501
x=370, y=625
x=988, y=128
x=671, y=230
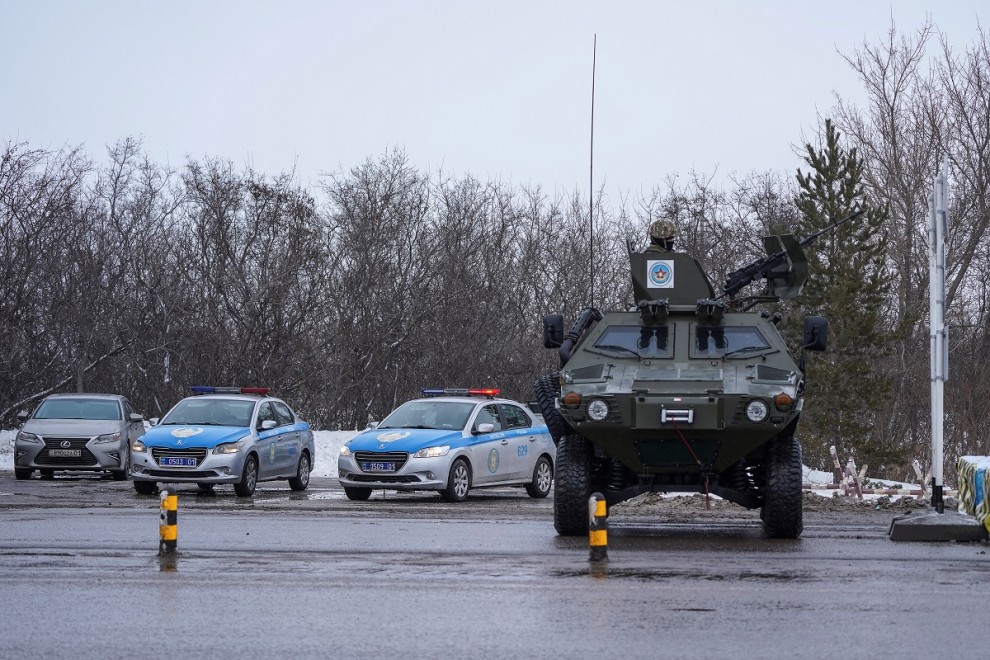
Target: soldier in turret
x=662, y=234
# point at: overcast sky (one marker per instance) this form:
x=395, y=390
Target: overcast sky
x=497, y=89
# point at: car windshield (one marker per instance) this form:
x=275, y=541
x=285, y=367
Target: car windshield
x=211, y=412
x=429, y=415
x=648, y=341
x=78, y=409
x=732, y=341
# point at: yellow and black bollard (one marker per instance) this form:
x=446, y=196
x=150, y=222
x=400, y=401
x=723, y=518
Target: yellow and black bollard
x=169, y=528
x=597, y=528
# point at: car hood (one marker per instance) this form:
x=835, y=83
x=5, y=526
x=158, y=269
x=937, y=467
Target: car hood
x=71, y=427
x=410, y=440
x=178, y=435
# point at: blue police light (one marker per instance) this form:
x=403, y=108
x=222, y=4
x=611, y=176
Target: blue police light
x=209, y=389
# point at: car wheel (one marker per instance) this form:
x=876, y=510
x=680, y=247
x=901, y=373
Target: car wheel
x=145, y=487
x=22, y=473
x=546, y=390
x=458, y=482
x=301, y=480
x=357, y=493
x=249, y=478
x=205, y=487
x=572, y=486
x=125, y=471
x=783, y=514
x=539, y=487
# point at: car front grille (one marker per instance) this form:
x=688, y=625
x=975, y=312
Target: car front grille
x=385, y=478
x=85, y=457
x=158, y=453
x=397, y=457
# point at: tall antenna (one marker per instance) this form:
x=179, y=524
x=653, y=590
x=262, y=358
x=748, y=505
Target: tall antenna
x=591, y=177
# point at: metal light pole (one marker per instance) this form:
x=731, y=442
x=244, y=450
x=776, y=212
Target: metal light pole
x=937, y=205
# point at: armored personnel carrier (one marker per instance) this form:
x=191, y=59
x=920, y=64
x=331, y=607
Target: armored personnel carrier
x=684, y=391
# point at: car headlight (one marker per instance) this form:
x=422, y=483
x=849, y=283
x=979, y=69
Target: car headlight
x=229, y=447
x=107, y=437
x=138, y=446
x=597, y=410
x=345, y=450
x=432, y=452
x=24, y=436
x=757, y=411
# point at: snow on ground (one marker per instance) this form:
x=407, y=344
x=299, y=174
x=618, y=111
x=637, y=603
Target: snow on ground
x=328, y=446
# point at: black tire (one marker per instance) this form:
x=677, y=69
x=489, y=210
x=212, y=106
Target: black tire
x=249, y=478
x=542, y=481
x=572, y=486
x=783, y=513
x=458, y=482
x=125, y=471
x=301, y=480
x=357, y=493
x=205, y=487
x=546, y=390
x=22, y=473
x=145, y=487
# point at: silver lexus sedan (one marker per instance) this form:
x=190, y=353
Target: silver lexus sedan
x=79, y=432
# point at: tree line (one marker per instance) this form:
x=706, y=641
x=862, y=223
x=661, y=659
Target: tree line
x=126, y=275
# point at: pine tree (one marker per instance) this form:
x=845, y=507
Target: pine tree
x=848, y=283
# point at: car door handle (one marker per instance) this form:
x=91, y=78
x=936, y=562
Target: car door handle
x=505, y=442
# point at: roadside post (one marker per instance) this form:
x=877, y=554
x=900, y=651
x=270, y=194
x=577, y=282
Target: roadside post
x=597, y=528
x=168, y=528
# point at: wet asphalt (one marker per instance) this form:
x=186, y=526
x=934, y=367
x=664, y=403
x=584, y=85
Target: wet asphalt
x=313, y=575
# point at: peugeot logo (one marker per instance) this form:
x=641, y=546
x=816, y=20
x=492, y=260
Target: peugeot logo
x=66, y=444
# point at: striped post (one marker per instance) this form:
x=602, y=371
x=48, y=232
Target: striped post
x=597, y=528
x=168, y=528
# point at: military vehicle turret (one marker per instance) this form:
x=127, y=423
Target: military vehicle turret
x=684, y=391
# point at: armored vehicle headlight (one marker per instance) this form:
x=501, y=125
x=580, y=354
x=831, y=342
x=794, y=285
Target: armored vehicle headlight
x=757, y=410
x=572, y=399
x=597, y=410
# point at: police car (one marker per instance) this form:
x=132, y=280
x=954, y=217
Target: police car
x=451, y=440
x=225, y=435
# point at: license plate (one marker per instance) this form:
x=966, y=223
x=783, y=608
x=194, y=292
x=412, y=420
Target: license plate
x=65, y=453
x=368, y=466
x=177, y=461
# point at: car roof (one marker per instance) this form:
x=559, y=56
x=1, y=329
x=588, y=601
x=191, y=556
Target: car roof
x=468, y=399
x=84, y=395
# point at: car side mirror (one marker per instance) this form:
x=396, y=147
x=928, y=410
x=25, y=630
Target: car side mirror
x=553, y=330
x=23, y=415
x=815, y=333
x=267, y=425
x=372, y=425
x=153, y=421
x=135, y=417
x=486, y=427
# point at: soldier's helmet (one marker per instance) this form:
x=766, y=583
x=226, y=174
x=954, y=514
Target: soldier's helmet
x=662, y=230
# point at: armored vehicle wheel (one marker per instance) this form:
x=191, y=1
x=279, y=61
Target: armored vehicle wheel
x=782, y=514
x=572, y=486
x=546, y=389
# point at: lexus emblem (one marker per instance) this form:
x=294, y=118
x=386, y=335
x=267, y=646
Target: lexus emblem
x=66, y=444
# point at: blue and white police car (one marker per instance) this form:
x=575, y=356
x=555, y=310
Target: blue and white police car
x=451, y=440
x=225, y=435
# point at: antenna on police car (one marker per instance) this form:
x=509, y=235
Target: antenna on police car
x=591, y=177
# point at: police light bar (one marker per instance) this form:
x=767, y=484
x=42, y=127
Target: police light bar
x=209, y=389
x=460, y=391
